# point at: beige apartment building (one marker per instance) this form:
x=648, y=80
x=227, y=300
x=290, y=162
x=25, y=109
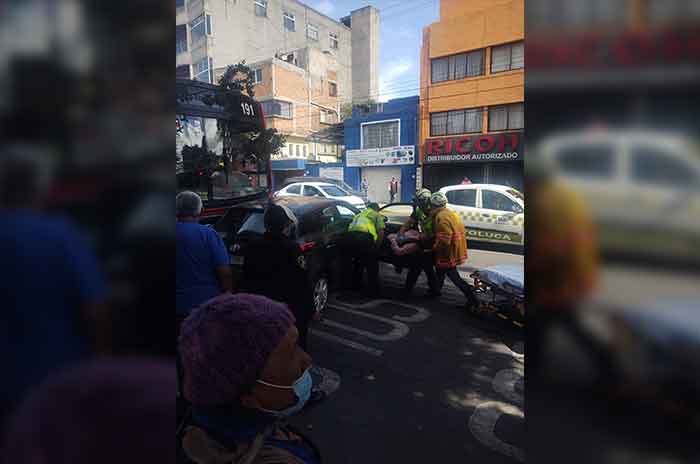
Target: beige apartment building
x=300, y=103
x=212, y=34
x=302, y=61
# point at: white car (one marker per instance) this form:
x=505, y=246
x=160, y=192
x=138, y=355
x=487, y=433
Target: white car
x=320, y=189
x=490, y=212
x=643, y=187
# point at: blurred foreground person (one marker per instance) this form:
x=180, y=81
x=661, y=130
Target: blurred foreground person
x=275, y=267
x=52, y=290
x=202, y=261
x=562, y=253
x=244, y=373
x=450, y=248
x=107, y=412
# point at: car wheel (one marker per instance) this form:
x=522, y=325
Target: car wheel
x=320, y=295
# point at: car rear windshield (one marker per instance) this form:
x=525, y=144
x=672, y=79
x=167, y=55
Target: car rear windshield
x=517, y=194
x=334, y=191
x=255, y=223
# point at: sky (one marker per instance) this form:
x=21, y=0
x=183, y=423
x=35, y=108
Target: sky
x=401, y=26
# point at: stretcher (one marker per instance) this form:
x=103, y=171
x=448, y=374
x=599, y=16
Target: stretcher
x=501, y=290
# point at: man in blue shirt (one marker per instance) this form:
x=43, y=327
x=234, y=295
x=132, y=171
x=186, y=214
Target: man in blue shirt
x=52, y=291
x=202, y=261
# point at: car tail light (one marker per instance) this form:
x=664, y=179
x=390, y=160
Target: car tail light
x=307, y=246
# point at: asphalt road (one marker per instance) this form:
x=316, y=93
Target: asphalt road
x=415, y=380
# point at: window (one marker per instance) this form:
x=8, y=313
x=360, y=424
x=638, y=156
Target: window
x=587, y=160
x=304, y=150
x=507, y=57
x=277, y=108
x=334, y=191
x=261, y=8
x=295, y=189
x=332, y=89
x=256, y=75
x=456, y=122
x=327, y=117
x=312, y=31
x=290, y=22
x=459, y=66
x=653, y=167
x=438, y=124
x=179, y=3
x=333, y=40
x=183, y=72
x=462, y=197
x=499, y=202
x=345, y=212
x=311, y=191
x=181, y=38
x=298, y=153
x=382, y=135
x=506, y=117
x=200, y=27
x=202, y=70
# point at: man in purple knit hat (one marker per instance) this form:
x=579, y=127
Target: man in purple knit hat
x=244, y=372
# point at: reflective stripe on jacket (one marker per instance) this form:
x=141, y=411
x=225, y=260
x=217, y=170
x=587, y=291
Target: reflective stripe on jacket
x=450, y=241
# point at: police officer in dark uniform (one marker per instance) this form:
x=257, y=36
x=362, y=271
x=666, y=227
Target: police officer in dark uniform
x=275, y=267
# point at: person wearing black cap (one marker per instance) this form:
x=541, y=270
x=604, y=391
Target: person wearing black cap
x=275, y=267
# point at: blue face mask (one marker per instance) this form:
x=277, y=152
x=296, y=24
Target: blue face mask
x=302, y=390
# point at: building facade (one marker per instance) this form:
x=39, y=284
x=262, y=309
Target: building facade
x=381, y=145
x=213, y=34
x=472, y=94
x=618, y=63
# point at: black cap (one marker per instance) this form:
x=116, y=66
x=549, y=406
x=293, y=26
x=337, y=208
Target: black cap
x=277, y=217
x=373, y=205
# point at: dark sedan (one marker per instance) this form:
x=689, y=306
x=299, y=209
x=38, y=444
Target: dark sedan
x=321, y=222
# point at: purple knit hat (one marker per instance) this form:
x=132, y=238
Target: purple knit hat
x=106, y=411
x=225, y=343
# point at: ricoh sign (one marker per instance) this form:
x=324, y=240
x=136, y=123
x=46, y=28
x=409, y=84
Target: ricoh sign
x=474, y=148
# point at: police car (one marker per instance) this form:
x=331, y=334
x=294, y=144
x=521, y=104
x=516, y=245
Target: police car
x=491, y=213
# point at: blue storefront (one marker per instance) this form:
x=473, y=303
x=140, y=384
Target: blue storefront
x=381, y=146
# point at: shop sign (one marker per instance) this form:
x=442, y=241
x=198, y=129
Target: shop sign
x=390, y=156
x=332, y=173
x=474, y=148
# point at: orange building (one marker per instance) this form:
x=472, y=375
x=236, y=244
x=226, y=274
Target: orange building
x=472, y=94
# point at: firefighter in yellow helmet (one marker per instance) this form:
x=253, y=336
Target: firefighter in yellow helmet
x=422, y=260
x=361, y=245
x=562, y=264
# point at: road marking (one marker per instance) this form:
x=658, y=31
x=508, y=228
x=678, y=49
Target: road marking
x=482, y=425
x=397, y=323
x=421, y=313
x=346, y=342
x=482, y=422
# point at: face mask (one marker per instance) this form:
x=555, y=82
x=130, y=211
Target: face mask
x=302, y=389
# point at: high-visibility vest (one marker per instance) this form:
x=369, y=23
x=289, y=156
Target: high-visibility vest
x=425, y=221
x=364, y=221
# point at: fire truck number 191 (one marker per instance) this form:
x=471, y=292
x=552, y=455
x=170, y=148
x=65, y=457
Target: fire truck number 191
x=247, y=109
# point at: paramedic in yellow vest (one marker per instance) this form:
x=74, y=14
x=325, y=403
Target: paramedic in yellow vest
x=450, y=246
x=562, y=260
x=361, y=244
x=424, y=261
